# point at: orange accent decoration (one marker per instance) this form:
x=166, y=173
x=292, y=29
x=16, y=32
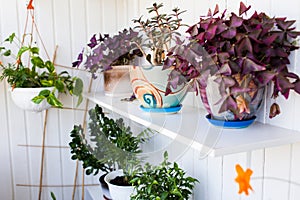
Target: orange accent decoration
x=242, y=104
x=30, y=6
x=243, y=179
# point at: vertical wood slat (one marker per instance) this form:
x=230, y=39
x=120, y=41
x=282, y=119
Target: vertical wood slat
x=277, y=172
x=16, y=127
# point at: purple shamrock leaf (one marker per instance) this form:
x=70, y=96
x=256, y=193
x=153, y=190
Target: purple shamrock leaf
x=243, y=8
x=250, y=66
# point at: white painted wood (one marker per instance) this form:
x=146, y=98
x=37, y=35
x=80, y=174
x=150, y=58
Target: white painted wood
x=295, y=173
x=5, y=150
x=277, y=173
x=69, y=24
x=190, y=128
x=230, y=187
x=214, y=181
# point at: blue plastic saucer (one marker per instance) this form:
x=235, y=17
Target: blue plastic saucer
x=231, y=124
x=170, y=110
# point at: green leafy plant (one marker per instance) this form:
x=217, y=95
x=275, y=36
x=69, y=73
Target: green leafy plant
x=158, y=33
x=244, y=54
x=165, y=181
x=112, y=145
x=38, y=73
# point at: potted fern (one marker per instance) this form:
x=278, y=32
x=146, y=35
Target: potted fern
x=237, y=58
x=34, y=86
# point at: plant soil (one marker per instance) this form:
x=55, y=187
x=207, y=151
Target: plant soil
x=120, y=180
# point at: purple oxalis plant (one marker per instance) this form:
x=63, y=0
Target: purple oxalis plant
x=244, y=54
x=104, y=51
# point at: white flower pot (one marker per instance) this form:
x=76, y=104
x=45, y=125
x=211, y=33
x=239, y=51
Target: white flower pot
x=22, y=97
x=118, y=192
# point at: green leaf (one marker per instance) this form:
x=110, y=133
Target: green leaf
x=53, y=196
x=52, y=100
x=34, y=50
x=10, y=38
x=38, y=99
x=50, y=66
x=7, y=53
x=78, y=87
x=44, y=93
x=79, y=101
x=47, y=83
x=37, y=61
x=59, y=85
x=164, y=195
x=22, y=50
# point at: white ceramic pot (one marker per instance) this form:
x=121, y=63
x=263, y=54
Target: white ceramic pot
x=118, y=192
x=22, y=97
x=149, y=86
x=117, y=81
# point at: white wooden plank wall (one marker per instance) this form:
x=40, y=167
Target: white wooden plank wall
x=69, y=24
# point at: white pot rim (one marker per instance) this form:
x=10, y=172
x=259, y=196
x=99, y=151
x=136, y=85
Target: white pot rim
x=32, y=89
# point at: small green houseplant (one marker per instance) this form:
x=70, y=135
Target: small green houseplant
x=165, y=181
x=237, y=56
x=37, y=73
x=111, y=146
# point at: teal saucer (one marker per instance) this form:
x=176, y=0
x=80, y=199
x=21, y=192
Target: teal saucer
x=162, y=110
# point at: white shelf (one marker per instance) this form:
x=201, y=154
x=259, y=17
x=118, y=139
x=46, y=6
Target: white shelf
x=189, y=127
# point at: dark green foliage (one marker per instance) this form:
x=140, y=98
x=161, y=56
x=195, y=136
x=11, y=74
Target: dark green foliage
x=165, y=181
x=40, y=73
x=112, y=144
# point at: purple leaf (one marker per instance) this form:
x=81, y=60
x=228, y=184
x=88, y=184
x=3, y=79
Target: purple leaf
x=244, y=46
x=283, y=84
x=265, y=77
x=250, y=66
x=284, y=25
x=228, y=104
x=229, y=82
x=229, y=33
x=235, y=68
x=223, y=57
x=216, y=9
x=235, y=90
x=93, y=41
x=202, y=79
x=270, y=39
x=193, y=30
x=235, y=21
x=297, y=86
x=243, y=8
x=209, y=13
x=225, y=70
x=211, y=32
x=168, y=63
